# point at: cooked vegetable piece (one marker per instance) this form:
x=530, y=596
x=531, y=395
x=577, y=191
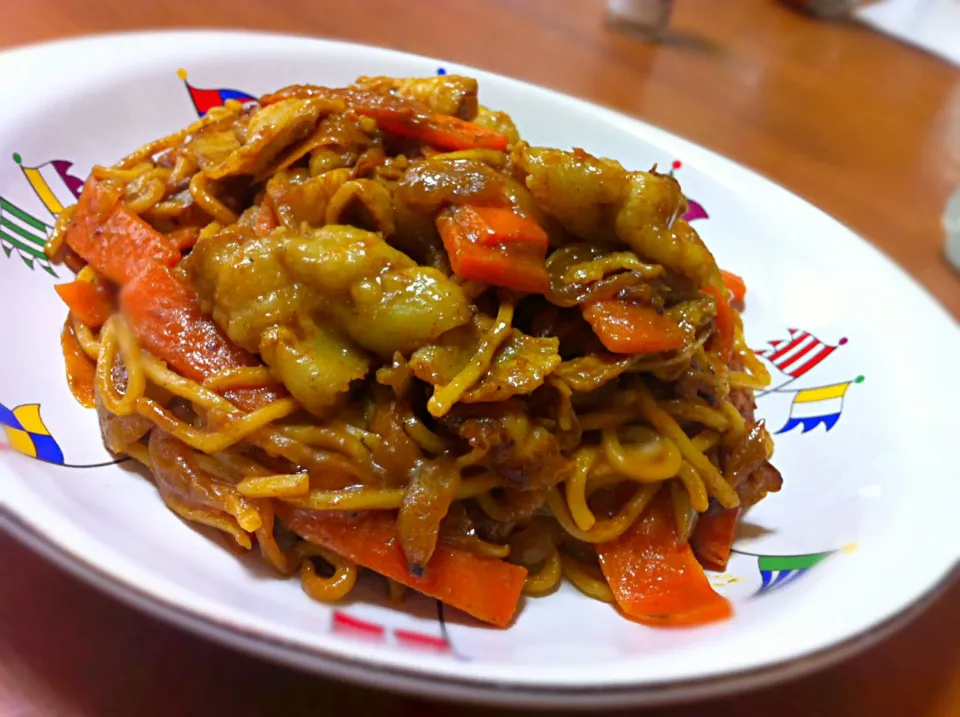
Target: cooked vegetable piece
x=486, y=588
x=627, y=328
x=441, y=131
x=655, y=579
x=735, y=284
x=713, y=537
x=165, y=316
x=726, y=327
x=113, y=240
x=80, y=369
x=516, y=265
x=90, y=301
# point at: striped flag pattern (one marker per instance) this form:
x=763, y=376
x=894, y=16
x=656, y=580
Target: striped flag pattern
x=798, y=354
x=28, y=434
x=205, y=100
x=695, y=209
x=24, y=233
x=346, y=624
x=779, y=570
x=812, y=407
x=53, y=183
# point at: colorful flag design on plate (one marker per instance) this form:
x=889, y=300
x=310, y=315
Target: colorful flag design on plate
x=695, y=210
x=53, y=183
x=779, y=570
x=798, y=354
x=812, y=407
x=22, y=232
x=205, y=100
x=27, y=433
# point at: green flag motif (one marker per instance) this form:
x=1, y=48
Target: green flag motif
x=24, y=233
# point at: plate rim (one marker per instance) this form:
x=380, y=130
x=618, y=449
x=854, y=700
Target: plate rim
x=637, y=694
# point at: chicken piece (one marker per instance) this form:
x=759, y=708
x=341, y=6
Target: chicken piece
x=520, y=366
x=649, y=222
x=444, y=94
x=431, y=184
x=582, y=192
x=271, y=130
x=499, y=121
x=590, y=372
x=318, y=369
x=244, y=280
x=364, y=203
x=403, y=309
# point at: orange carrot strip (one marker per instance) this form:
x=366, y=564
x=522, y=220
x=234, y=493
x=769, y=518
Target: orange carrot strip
x=91, y=302
x=443, y=131
x=735, y=284
x=165, y=315
x=655, y=579
x=487, y=588
x=627, y=328
x=712, y=539
x=116, y=242
x=504, y=226
x=80, y=369
x=726, y=326
x=514, y=265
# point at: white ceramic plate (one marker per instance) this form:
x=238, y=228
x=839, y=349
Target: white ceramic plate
x=864, y=528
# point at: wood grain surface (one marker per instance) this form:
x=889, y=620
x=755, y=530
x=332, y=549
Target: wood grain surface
x=863, y=127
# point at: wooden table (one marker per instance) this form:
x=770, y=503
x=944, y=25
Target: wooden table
x=860, y=125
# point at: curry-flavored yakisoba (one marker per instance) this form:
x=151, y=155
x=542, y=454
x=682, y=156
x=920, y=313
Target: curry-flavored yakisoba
x=370, y=327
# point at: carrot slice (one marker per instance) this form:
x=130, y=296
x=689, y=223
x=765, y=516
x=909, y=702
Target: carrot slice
x=514, y=264
x=486, y=588
x=165, y=315
x=80, y=369
x=91, y=302
x=726, y=324
x=656, y=579
x=115, y=241
x=504, y=226
x=184, y=238
x=734, y=284
x=627, y=328
x=712, y=539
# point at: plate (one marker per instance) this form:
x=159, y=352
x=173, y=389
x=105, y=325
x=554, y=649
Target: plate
x=864, y=365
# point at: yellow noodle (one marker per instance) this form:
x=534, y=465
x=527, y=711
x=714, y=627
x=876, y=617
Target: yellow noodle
x=153, y=192
x=696, y=412
x=124, y=174
x=697, y=491
x=214, y=519
x=59, y=233
x=737, y=425
x=364, y=498
x=291, y=485
x=200, y=191
x=575, y=488
x=444, y=397
x=334, y=588
x=585, y=581
x=608, y=528
x=547, y=578
x=396, y=591
x=211, y=441
x=89, y=344
x=334, y=437
x=705, y=440
x=716, y=485
x=423, y=436
x=114, y=335
x=565, y=414
x=644, y=464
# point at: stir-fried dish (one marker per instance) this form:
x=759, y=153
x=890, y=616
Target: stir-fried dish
x=372, y=328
